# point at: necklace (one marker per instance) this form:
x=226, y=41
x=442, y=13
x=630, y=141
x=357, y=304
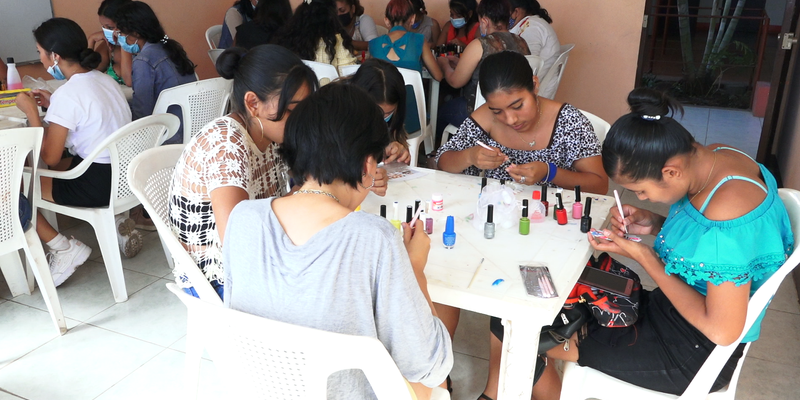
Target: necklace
x=314, y=191
x=533, y=142
x=714, y=164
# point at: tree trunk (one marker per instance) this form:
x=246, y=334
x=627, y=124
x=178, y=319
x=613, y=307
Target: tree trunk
x=686, y=38
x=726, y=39
x=715, y=12
x=723, y=23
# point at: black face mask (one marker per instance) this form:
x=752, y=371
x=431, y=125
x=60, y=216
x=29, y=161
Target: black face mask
x=345, y=19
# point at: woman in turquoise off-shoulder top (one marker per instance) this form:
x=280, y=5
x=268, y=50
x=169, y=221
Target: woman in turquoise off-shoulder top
x=727, y=232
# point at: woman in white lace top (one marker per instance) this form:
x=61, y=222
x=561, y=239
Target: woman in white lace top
x=235, y=157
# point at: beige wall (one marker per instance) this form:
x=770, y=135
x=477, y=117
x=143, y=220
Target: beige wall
x=600, y=72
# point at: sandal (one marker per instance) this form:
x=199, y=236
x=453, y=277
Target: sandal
x=483, y=396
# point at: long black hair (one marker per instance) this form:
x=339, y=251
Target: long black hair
x=245, y=7
x=325, y=143
x=109, y=7
x=272, y=14
x=498, y=11
x=384, y=83
x=639, y=144
x=266, y=70
x=532, y=7
x=66, y=38
x=505, y=70
x=310, y=23
x=138, y=18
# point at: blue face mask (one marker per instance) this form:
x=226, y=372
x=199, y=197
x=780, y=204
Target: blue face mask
x=109, y=34
x=130, y=48
x=511, y=22
x=458, y=22
x=415, y=25
x=388, y=117
x=55, y=71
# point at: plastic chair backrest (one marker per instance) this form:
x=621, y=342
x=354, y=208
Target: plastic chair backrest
x=536, y=64
x=214, y=54
x=323, y=71
x=551, y=81
x=15, y=147
x=265, y=359
x=348, y=70
x=150, y=177
x=381, y=30
x=212, y=36
x=600, y=126
x=201, y=102
x=414, y=79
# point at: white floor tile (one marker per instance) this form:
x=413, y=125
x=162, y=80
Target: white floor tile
x=695, y=120
x=780, y=339
x=152, y=314
x=765, y=380
x=151, y=259
x=79, y=365
x=162, y=377
x=735, y=128
x=23, y=329
x=786, y=298
x=180, y=345
x=472, y=335
x=87, y=292
x=9, y=396
x=469, y=376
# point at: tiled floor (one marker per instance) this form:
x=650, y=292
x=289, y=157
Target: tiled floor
x=134, y=350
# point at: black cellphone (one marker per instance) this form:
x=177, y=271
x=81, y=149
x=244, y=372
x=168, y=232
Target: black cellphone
x=600, y=279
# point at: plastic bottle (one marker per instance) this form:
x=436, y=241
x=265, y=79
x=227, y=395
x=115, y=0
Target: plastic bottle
x=13, y=81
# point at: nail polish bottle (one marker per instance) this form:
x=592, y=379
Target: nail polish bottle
x=449, y=234
x=416, y=205
x=586, y=220
x=561, y=213
x=484, y=181
x=577, y=207
x=409, y=214
x=396, y=220
x=544, y=200
x=524, y=222
x=428, y=218
x=383, y=210
x=502, y=182
x=488, y=227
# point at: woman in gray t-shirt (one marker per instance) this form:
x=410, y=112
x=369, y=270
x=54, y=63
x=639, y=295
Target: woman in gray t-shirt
x=310, y=260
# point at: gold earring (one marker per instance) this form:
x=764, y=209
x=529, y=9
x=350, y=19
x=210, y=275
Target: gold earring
x=261, y=125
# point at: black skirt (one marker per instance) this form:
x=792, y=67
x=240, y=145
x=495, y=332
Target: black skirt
x=92, y=189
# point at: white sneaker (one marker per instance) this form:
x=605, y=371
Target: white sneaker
x=129, y=239
x=64, y=262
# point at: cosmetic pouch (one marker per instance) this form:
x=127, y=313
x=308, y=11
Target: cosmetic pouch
x=506, y=207
x=611, y=310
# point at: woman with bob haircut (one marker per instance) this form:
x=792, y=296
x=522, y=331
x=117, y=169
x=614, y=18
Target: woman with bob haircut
x=310, y=260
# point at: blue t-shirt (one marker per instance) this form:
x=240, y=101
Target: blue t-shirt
x=745, y=249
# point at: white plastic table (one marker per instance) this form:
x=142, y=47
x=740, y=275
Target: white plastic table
x=564, y=249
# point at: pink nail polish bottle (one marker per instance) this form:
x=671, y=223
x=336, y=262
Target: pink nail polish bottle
x=577, y=206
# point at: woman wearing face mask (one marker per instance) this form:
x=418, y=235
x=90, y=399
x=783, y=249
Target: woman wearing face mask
x=105, y=42
x=235, y=157
x=462, y=72
x=532, y=22
x=424, y=25
x=160, y=62
x=88, y=108
x=360, y=26
x=463, y=25
x=241, y=12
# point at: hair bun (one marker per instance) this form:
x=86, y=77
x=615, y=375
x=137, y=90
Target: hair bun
x=229, y=61
x=89, y=59
x=652, y=105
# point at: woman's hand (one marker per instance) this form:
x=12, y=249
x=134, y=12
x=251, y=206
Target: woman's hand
x=444, y=64
x=26, y=102
x=637, y=221
x=96, y=38
x=418, y=245
x=396, y=152
x=457, y=43
x=532, y=172
x=486, y=159
x=381, y=182
x=636, y=251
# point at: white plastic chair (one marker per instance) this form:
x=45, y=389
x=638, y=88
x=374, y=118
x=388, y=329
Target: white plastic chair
x=584, y=382
x=150, y=176
x=214, y=54
x=212, y=36
x=260, y=358
x=381, y=30
x=600, y=126
x=348, y=70
x=414, y=79
x=323, y=71
x=15, y=146
x=200, y=102
x=123, y=145
x=551, y=81
x=536, y=63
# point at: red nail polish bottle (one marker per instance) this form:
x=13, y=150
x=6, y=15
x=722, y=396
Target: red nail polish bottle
x=561, y=213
